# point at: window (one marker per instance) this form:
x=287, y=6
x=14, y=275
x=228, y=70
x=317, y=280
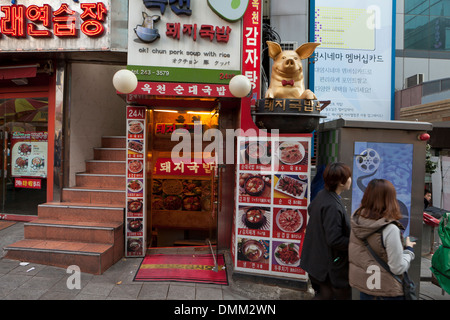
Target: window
x=427, y=25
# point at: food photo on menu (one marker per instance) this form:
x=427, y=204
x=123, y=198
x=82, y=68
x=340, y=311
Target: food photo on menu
x=134, y=206
x=135, y=166
x=291, y=156
x=135, y=186
x=135, y=127
x=254, y=220
x=290, y=189
x=135, y=246
x=255, y=188
x=285, y=254
x=136, y=146
x=135, y=226
x=289, y=223
x=253, y=253
x=255, y=152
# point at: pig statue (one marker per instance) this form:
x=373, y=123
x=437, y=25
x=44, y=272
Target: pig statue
x=286, y=80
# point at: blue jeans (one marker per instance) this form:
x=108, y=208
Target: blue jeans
x=365, y=296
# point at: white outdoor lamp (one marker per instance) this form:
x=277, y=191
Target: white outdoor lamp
x=125, y=81
x=240, y=86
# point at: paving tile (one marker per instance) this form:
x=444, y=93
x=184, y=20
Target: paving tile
x=57, y=295
x=13, y=281
x=126, y=291
x=208, y=293
x=25, y=294
x=180, y=292
x=153, y=291
x=39, y=283
x=97, y=288
x=53, y=272
x=61, y=285
x=7, y=265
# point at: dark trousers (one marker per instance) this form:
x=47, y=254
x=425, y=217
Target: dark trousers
x=325, y=290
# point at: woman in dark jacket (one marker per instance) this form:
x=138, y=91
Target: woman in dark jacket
x=325, y=247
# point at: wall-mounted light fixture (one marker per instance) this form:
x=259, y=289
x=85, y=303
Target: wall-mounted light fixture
x=240, y=86
x=125, y=81
x=423, y=137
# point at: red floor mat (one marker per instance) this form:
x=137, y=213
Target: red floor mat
x=182, y=267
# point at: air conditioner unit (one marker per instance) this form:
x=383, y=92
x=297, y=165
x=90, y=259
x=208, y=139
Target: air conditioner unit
x=414, y=80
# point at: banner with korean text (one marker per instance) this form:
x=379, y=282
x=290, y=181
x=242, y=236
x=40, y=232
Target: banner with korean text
x=354, y=63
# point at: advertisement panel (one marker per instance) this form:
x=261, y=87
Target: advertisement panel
x=273, y=187
x=390, y=161
x=354, y=65
x=136, y=205
x=28, y=155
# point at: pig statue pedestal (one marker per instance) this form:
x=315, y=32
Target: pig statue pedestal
x=288, y=115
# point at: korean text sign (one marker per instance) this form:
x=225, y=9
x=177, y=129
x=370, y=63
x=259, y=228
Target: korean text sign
x=184, y=41
x=54, y=25
x=353, y=65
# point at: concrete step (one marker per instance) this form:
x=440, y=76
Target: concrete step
x=114, y=141
x=79, y=231
x=106, y=166
x=114, y=154
x=81, y=212
x=101, y=181
x=93, y=196
x=91, y=258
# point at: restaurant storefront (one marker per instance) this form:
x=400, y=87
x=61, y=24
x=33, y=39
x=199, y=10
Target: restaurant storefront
x=199, y=171
x=44, y=44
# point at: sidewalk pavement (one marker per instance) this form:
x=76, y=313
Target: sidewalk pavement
x=40, y=282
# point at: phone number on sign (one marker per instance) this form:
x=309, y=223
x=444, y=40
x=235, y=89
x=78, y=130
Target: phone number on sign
x=164, y=73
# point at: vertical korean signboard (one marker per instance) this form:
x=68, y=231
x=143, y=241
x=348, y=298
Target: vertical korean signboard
x=354, y=65
x=271, y=204
x=135, y=232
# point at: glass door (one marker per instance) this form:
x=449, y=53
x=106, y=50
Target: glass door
x=24, y=136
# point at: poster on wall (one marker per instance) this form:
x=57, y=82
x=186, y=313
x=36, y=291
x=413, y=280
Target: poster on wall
x=271, y=208
x=353, y=64
x=29, y=154
x=135, y=233
x=390, y=161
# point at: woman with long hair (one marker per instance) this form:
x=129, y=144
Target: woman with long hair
x=376, y=224
x=325, y=247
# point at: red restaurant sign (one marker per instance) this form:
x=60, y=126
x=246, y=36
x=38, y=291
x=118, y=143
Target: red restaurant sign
x=20, y=21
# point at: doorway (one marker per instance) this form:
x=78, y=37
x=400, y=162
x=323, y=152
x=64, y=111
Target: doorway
x=23, y=147
x=183, y=193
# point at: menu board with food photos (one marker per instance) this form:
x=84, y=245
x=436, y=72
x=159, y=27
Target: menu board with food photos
x=135, y=224
x=272, y=195
x=29, y=154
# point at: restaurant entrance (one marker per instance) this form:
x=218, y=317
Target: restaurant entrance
x=183, y=192
x=23, y=147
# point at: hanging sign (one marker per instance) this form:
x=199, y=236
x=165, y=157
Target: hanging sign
x=184, y=41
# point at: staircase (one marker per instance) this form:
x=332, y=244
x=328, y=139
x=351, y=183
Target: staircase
x=87, y=227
